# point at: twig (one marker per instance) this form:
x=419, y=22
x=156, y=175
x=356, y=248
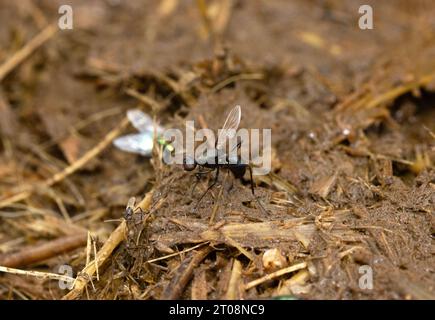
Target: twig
x=88, y=155
x=73, y=167
x=184, y=274
x=43, y=251
x=202, y=6
x=199, y=289
x=146, y=201
x=276, y=274
x=223, y=17
x=86, y=274
x=177, y=253
x=38, y=274
x=398, y=91
x=239, y=247
x=27, y=50
x=88, y=248
x=15, y=198
x=155, y=106
x=238, y=77
x=233, y=286
x=95, y=260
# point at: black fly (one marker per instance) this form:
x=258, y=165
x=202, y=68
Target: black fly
x=220, y=159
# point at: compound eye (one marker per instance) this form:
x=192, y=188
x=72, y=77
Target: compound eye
x=189, y=167
x=188, y=164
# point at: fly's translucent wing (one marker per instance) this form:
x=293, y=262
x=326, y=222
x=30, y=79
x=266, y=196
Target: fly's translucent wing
x=229, y=128
x=140, y=143
x=142, y=121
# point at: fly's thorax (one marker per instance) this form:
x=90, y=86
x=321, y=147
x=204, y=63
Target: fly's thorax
x=205, y=156
x=233, y=159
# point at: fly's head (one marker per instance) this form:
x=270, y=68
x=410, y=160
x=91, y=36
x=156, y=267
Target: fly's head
x=189, y=164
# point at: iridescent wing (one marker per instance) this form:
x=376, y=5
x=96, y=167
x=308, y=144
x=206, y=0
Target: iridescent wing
x=229, y=128
x=139, y=143
x=142, y=121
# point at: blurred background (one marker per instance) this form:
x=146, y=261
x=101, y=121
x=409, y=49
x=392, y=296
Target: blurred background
x=352, y=118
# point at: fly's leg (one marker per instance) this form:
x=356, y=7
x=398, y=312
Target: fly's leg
x=253, y=193
x=252, y=180
x=198, y=176
x=209, y=187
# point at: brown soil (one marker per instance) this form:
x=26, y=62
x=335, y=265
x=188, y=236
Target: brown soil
x=352, y=114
